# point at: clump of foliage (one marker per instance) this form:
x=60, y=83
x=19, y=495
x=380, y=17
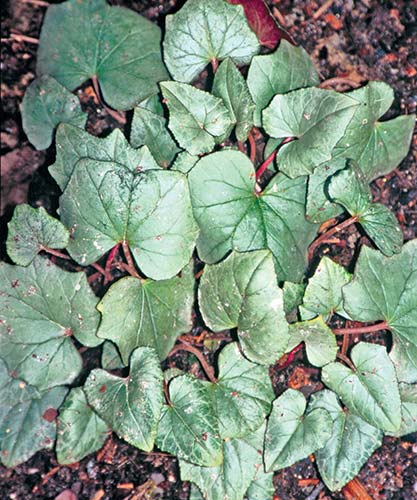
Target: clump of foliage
x=133, y=212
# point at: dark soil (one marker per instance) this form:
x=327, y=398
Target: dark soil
x=363, y=40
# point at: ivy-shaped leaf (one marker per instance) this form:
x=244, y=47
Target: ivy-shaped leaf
x=384, y=288
x=27, y=418
x=73, y=144
x=147, y=313
x=242, y=292
x=236, y=217
x=106, y=203
x=290, y=435
x=30, y=230
x=110, y=357
x=351, y=444
x=41, y=307
x=131, y=406
x=378, y=147
x=320, y=341
x=242, y=395
x=350, y=189
x=202, y=32
x=80, y=430
x=81, y=40
x=288, y=68
x=317, y=118
x=319, y=207
x=188, y=426
x=46, y=104
x=150, y=128
x=323, y=294
x=371, y=391
x=230, y=86
x=242, y=458
x=196, y=118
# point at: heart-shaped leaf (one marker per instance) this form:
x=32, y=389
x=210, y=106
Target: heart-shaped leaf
x=41, y=307
x=230, y=86
x=290, y=435
x=351, y=189
x=351, y=444
x=27, y=418
x=408, y=395
x=131, y=406
x=323, y=294
x=404, y=361
x=202, y=32
x=371, y=391
x=383, y=288
x=30, y=230
x=196, y=118
x=242, y=292
x=150, y=128
x=46, y=104
x=316, y=117
x=147, y=313
x=73, y=144
x=188, y=427
x=236, y=217
x=242, y=458
x=288, y=68
x=106, y=203
x=378, y=147
x=320, y=341
x=242, y=395
x=80, y=430
x=81, y=40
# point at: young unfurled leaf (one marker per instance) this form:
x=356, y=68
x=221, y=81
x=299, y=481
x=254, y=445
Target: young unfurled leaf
x=242, y=458
x=235, y=217
x=41, y=307
x=378, y=147
x=188, y=426
x=27, y=418
x=202, y=32
x=323, y=294
x=196, y=118
x=351, y=189
x=319, y=207
x=150, y=129
x=316, y=117
x=351, y=444
x=80, y=430
x=110, y=357
x=242, y=395
x=106, y=203
x=384, y=288
x=30, y=230
x=288, y=68
x=147, y=313
x=131, y=406
x=80, y=40
x=290, y=435
x=242, y=292
x=230, y=86
x=73, y=144
x=46, y=104
x=263, y=23
x=320, y=341
x=371, y=391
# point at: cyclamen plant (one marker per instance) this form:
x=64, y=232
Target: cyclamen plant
x=131, y=215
